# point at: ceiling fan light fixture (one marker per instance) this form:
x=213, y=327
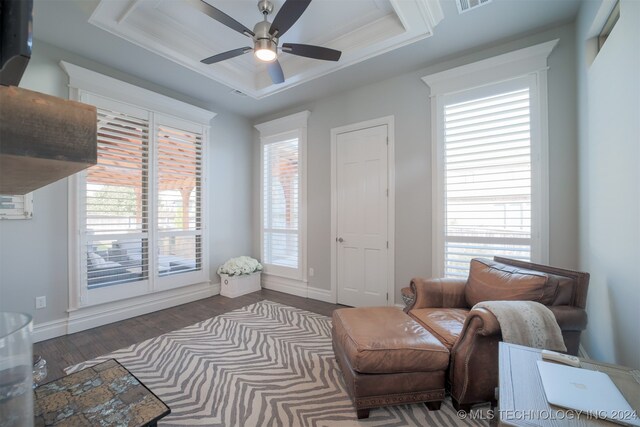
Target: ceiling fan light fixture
x=266, y=55
x=265, y=50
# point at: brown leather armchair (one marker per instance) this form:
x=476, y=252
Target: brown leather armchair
x=472, y=335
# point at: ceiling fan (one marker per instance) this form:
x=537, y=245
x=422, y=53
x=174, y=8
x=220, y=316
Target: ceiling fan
x=265, y=36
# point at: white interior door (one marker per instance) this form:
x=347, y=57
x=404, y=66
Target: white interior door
x=362, y=202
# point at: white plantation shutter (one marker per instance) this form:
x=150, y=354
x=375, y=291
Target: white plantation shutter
x=140, y=207
x=281, y=203
x=136, y=217
x=179, y=183
x=487, y=176
x=115, y=200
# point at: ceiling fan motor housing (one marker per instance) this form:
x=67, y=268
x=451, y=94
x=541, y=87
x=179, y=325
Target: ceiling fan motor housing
x=262, y=38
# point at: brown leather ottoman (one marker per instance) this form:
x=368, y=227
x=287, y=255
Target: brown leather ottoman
x=387, y=358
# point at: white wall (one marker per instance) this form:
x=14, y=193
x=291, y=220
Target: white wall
x=609, y=163
x=231, y=180
x=407, y=98
x=33, y=253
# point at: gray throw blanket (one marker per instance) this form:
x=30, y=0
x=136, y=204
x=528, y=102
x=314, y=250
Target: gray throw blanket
x=526, y=323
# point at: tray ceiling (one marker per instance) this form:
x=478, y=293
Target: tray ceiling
x=361, y=29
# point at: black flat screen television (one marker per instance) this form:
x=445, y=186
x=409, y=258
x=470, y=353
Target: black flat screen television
x=16, y=29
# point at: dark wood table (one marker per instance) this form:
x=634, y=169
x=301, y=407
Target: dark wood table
x=521, y=398
x=106, y=394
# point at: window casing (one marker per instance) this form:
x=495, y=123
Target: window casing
x=137, y=217
x=490, y=167
x=282, y=197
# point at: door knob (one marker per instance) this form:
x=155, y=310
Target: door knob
x=340, y=239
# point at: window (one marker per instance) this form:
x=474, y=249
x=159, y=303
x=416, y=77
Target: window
x=179, y=183
x=114, y=217
x=490, y=184
x=282, y=233
x=141, y=205
x=487, y=175
x=139, y=211
x=281, y=204
x=16, y=206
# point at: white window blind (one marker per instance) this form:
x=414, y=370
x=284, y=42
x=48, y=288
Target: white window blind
x=281, y=203
x=115, y=209
x=141, y=206
x=487, y=178
x=179, y=200
x=16, y=206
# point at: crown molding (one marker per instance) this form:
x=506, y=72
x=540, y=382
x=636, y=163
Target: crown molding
x=100, y=84
x=508, y=65
x=283, y=124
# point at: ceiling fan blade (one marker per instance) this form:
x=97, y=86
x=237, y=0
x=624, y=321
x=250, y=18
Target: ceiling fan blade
x=310, y=51
x=275, y=71
x=288, y=14
x=221, y=17
x=226, y=55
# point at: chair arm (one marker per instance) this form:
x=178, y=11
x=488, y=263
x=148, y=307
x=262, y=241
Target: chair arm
x=473, y=367
x=473, y=370
x=438, y=293
x=482, y=322
x=569, y=318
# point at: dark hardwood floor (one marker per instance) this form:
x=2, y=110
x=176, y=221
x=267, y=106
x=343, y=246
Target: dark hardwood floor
x=68, y=350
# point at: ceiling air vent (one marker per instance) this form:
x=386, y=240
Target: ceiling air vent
x=467, y=5
x=237, y=92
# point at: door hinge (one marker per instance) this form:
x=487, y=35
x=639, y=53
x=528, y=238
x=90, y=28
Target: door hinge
x=387, y=244
x=387, y=192
x=387, y=296
x=387, y=140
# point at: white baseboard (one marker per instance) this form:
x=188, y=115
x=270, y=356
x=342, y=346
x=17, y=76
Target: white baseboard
x=282, y=284
x=47, y=330
x=92, y=317
x=296, y=287
x=320, y=294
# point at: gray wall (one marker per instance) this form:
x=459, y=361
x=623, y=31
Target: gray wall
x=609, y=163
x=407, y=98
x=33, y=253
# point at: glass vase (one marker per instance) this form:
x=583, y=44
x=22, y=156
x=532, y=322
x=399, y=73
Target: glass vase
x=16, y=370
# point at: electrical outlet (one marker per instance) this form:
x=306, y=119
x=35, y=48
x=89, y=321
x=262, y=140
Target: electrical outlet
x=41, y=302
x=311, y=272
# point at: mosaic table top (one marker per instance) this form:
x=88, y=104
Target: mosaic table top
x=106, y=394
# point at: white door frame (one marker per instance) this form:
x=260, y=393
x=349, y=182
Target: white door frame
x=391, y=202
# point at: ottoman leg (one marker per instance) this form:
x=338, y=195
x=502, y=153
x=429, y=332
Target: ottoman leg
x=433, y=406
x=362, y=413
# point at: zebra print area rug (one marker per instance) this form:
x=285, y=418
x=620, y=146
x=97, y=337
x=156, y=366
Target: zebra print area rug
x=266, y=364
